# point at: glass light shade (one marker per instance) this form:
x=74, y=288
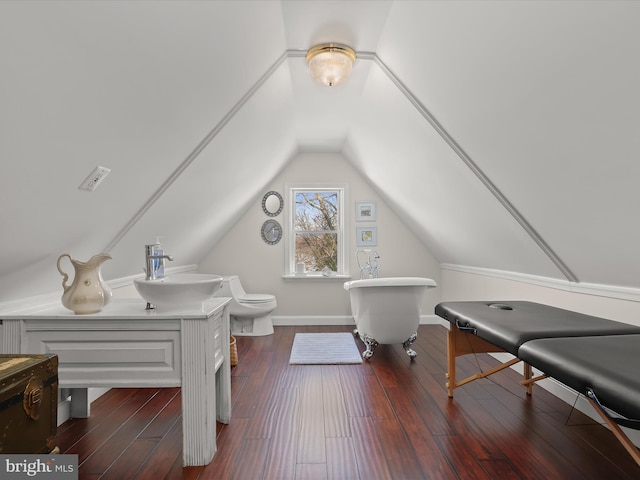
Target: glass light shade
x=330, y=64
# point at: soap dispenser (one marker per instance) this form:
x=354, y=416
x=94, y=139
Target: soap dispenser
x=158, y=263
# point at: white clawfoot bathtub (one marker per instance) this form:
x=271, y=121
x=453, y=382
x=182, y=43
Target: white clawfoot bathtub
x=387, y=310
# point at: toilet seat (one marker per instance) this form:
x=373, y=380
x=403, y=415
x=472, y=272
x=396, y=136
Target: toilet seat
x=256, y=298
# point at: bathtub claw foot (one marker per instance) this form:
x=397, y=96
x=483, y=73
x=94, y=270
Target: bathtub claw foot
x=407, y=345
x=370, y=343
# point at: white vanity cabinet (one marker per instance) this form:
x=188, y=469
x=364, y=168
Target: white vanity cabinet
x=125, y=345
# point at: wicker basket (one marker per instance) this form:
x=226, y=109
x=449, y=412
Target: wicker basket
x=233, y=350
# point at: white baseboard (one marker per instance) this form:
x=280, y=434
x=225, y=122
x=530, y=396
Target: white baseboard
x=302, y=320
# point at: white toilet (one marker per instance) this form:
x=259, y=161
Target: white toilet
x=250, y=313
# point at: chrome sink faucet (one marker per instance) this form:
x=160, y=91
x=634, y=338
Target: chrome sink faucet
x=371, y=268
x=154, y=261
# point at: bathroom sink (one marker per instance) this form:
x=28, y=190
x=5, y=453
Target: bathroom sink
x=179, y=290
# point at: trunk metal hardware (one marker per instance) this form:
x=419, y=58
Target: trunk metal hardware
x=32, y=398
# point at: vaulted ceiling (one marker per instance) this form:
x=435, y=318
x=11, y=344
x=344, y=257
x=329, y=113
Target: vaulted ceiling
x=505, y=134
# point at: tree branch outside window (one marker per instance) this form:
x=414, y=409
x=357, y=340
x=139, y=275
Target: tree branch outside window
x=317, y=227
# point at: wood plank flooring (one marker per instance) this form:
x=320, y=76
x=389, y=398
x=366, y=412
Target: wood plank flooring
x=389, y=418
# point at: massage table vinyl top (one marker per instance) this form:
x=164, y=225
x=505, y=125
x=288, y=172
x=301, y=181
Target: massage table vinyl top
x=509, y=324
x=609, y=365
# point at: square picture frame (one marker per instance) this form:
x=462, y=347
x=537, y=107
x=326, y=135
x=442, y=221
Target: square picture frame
x=365, y=211
x=366, y=236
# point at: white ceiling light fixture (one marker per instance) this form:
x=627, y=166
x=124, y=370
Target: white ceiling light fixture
x=330, y=63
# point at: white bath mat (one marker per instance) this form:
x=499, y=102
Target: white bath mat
x=324, y=349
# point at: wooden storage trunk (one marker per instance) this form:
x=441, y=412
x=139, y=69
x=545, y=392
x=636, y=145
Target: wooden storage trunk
x=28, y=403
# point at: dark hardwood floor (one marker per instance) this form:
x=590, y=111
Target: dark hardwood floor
x=388, y=418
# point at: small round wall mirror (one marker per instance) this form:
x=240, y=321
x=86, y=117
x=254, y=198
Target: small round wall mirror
x=272, y=203
x=271, y=232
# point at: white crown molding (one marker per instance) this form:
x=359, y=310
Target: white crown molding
x=599, y=290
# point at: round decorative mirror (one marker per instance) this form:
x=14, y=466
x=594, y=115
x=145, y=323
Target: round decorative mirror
x=271, y=232
x=272, y=203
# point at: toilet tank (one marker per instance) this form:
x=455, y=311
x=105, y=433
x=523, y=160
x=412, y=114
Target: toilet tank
x=231, y=287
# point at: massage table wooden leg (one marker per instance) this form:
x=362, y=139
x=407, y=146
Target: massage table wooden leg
x=617, y=431
x=460, y=343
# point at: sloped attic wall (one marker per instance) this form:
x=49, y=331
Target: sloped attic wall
x=421, y=177
x=543, y=98
x=135, y=87
x=541, y=95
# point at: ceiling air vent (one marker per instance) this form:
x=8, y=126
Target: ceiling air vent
x=93, y=180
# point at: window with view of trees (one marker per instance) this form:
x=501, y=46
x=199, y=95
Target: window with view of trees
x=316, y=229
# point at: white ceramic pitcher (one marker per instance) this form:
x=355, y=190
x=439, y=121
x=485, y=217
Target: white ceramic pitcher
x=88, y=293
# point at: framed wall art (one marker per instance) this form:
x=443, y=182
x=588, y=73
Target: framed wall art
x=365, y=211
x=366, y=236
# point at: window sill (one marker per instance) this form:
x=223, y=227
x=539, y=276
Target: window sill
x=315, y=276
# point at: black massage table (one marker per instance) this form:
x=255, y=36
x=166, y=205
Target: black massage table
x=604, y=368
x=596, y=357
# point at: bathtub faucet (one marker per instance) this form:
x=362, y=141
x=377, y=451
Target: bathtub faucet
x=371, y=267
x=154, y=261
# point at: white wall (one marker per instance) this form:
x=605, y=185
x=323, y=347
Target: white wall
x=458, y=286
x=260, y=266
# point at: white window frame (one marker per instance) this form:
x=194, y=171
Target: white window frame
x=290, y=233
